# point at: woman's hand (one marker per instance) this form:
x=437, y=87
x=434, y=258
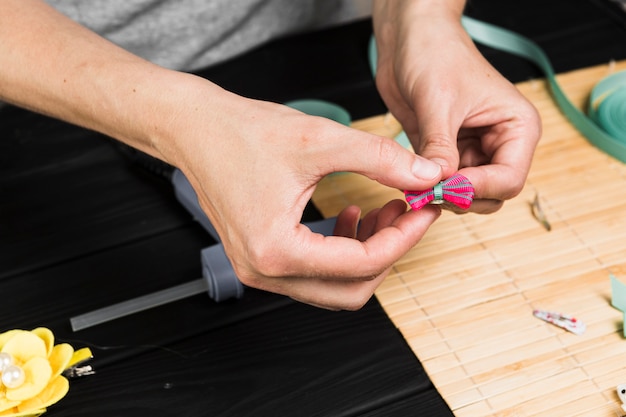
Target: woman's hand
x=455, y=107
x=255, y=165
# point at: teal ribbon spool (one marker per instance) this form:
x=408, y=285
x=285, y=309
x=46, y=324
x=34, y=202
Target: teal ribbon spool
x=605, y=127
x=607, y=105
x=322, y=108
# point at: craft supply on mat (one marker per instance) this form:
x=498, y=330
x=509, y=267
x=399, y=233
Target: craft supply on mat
x=564, y=321
x=457, y=190
x=33, y=371
x=539, y=214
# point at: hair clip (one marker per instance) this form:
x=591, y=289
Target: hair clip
x=566, y=322
x=32, y=371
x=457, y=190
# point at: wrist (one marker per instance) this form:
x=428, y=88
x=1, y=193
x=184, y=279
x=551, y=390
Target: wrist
x=396, y=21
x=150, y=114
x=418, y=9
x=167, y=118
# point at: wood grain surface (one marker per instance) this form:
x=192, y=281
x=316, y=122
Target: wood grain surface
x=463, y=298
x=82, y=227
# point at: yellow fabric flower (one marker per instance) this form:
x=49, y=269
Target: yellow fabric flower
x=38, y=382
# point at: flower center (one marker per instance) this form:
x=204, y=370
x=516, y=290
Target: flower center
x=11, y=375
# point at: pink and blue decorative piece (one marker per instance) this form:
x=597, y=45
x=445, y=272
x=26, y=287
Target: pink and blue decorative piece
x=457, y=190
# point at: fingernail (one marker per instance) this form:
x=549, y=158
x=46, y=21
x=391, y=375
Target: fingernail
x=426, y=169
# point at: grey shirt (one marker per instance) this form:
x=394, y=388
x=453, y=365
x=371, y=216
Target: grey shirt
x=191, y=34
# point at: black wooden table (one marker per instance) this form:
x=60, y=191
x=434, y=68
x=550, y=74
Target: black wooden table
x=83, y=226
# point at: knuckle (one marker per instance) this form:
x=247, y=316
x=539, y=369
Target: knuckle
x=515, y=185
x=386, y=152
x=265, y=260
x=434, y=141
x=529, y=121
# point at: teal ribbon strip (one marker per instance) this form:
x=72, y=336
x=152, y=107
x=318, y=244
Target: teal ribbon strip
x=618, y=298
x=606, y=125
x=604, y=113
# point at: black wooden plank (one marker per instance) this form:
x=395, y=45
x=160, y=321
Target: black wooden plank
x=66, y=192
x=573, y=33
x=339, y=364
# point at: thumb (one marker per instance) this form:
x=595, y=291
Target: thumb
x=384, y=160
x=438, y=142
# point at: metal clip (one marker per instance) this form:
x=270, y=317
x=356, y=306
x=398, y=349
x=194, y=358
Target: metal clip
x=78, y=371
x=539, y=214
x=78, y=366
x=564, y=321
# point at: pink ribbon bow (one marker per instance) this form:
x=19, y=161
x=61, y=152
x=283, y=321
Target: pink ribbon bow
x=456, y=190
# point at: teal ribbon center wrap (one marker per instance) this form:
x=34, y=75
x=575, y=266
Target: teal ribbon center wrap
x=438, y=194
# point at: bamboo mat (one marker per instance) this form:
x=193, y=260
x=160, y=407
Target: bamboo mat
x=463, y=298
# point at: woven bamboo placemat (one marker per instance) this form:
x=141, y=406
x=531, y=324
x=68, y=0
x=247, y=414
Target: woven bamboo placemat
x=463, y=298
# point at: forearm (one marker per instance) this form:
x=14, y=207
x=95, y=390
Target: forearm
x=52, y=65
x=455, y=107
x=417, y=9
x=420, y=22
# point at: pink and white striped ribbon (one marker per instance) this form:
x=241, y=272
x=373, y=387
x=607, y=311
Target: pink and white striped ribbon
x=457, y=190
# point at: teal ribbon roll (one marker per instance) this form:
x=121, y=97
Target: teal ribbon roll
x=322, y=108
x=605, y=127
x=607, y=105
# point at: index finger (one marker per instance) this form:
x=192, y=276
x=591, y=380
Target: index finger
x=342, y=273
x=505, y=175
x=340, y=258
